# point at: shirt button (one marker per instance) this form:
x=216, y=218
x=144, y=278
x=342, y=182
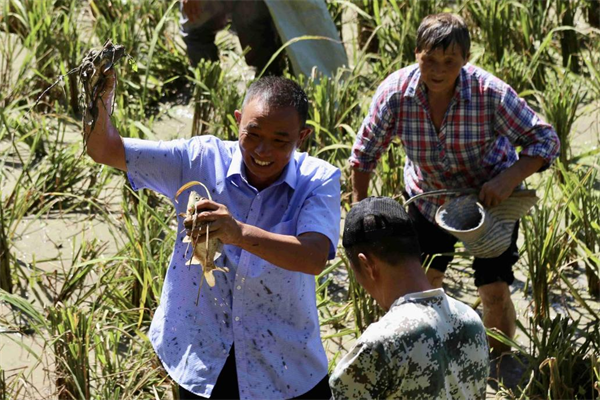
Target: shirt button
x=239, y=287
x=237, y=318
x=224, y=351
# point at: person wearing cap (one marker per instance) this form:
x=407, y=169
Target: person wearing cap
x=427, y=345
x=459, y=127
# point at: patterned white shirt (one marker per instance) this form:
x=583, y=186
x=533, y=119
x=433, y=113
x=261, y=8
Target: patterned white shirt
x=268, y=312
x=428, y=346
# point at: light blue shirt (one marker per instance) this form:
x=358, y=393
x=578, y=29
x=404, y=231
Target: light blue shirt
x=268, y=312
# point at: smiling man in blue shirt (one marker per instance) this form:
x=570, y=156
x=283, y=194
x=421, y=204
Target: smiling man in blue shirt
x=255, y=334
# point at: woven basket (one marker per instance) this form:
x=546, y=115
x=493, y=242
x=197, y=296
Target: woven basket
x=486, y=233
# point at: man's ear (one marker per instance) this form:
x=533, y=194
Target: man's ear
x=369, y=269
x=238, y=116
x=304, y=134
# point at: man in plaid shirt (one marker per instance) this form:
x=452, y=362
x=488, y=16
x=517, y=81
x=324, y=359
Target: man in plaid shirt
x=459, y=127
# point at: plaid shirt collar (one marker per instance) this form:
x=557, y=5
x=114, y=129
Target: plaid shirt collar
x=416, y=88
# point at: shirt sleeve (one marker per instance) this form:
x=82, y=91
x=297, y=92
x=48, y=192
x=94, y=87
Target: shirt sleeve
x=364, y=373
x=520, y=124
x=156, y=165
x=376, y=131
x=321, y=211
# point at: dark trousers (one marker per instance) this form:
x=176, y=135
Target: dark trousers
x=437, y=247
x=253, y=23
x=227, y=385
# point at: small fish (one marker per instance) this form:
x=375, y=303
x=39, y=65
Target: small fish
x=205, y=252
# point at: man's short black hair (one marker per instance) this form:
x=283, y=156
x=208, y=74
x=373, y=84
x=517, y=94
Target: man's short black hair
x=279, y=92
x=443, y=30
x=380, y=226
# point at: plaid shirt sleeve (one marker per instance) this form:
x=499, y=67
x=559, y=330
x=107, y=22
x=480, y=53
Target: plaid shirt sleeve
x=519, y=123
x=377, y=129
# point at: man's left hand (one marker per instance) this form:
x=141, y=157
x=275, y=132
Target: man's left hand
x=496, y=190
x=221, y=223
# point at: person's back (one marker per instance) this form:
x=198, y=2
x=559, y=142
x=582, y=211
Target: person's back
x=427, y=346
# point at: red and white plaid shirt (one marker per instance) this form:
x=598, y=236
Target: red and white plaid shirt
x=484, y=123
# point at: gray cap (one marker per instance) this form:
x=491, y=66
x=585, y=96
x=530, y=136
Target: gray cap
x=375, y=218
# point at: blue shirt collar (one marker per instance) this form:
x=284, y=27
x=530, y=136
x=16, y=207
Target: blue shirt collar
x=236, y=167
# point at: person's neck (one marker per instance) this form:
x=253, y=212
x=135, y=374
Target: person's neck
x=403, y=280
x=437, y=100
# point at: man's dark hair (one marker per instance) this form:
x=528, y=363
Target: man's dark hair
x=443, y=30
x=379, y=226
x=279, y=92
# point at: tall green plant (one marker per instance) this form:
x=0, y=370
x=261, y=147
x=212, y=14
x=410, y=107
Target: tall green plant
x=70, y=49
x=49, y=30
x=535, y=21
x=147, y=29
x=126, y=366
x=561, y=105
x=62, y=178
x=582, y=184
x=389, y=175
x=331, y=313
x=332, y=113
x=517, y=50
x=561, y=358
x=208, y=76
x=592, y=62
x=547, y=246
x=71, y=328
x=15, y=60
x=147, y=226
x=396, y=28
x=495, y=25
x=367, y=39
x=569, y=42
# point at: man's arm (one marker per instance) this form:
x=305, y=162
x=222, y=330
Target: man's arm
x=515, y=120
x=360, y=184
x=373, y=137
x=305, y=253
x=501, y=187
x=104, y=144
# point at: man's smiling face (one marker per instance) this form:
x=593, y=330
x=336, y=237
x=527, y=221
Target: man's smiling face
x=268, y=138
